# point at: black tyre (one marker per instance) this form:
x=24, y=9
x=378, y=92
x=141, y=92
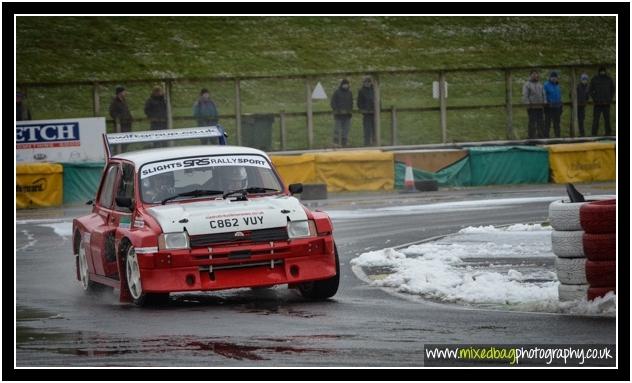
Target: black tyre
x=323, y=289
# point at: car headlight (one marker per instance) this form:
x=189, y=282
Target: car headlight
x=173, y=241
x=301, y=229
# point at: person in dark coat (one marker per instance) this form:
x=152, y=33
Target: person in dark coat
x=22, y=110
x=206, y=114
x=342, y=105
x=366, y=105
x=119, y=111
x=602, y=93
x=156, y=112
x=583, y=96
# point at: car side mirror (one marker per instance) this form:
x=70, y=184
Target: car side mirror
x=125, y=202
x=296, y=188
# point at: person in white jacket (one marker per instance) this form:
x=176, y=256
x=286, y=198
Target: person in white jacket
x=533, y=97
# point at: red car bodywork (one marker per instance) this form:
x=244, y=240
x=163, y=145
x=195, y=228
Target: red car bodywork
x=108, y=231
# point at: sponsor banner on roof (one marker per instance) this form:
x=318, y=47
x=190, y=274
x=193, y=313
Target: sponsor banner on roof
x=163, y=135
x=202, y=162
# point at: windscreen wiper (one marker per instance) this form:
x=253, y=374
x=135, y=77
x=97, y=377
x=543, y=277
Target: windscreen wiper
x=192, y=193
x=252, y=189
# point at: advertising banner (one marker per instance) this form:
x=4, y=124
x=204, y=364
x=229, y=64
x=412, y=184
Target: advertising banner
x=73, y=140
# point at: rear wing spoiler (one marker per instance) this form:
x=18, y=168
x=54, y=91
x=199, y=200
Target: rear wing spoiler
x=163, y=135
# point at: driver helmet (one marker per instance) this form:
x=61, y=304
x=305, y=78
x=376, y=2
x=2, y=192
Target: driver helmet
x=236, y=178
x=159, y=184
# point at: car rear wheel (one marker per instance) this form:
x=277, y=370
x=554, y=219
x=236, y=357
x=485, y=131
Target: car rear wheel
x=84, y=276
x=323, y=289
x=134, y=284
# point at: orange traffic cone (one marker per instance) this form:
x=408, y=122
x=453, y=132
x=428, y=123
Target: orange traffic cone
x=409, y=178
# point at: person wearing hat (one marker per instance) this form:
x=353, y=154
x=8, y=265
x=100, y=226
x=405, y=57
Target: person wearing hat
x=119, y=111
x=553, y=107
x=342, y=104
x=22, y=110
x=206, y=114
x=366, y=105
x=583, y=96
x=533, y=98
x=602, y=92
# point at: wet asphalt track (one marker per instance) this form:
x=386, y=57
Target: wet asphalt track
x=57, y=325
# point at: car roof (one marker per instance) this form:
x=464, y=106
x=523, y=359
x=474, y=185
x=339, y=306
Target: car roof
x=141, y=157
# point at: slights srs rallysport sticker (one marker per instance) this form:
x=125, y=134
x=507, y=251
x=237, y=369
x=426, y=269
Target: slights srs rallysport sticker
x=200, y=162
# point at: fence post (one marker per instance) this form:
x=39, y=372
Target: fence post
x=283, y=132
x=376, y=108
x=96, y=106
x=168, y=101
x=238, y=111
x=310, y=117
x=574, y=116
x=511, y=135
x=442, y=107
x=393, y=125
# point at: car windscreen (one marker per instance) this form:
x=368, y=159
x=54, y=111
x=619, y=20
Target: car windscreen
x=163, y=179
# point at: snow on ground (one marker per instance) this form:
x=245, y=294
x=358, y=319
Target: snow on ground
x=505, y=268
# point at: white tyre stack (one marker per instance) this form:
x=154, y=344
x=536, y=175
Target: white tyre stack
x=566, y=241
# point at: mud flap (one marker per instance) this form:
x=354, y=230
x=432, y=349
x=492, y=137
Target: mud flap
x=124, y=295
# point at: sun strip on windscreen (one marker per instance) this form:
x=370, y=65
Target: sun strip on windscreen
x=201, y=162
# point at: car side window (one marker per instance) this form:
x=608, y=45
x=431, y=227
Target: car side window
x=105, y=199
x=126, y=185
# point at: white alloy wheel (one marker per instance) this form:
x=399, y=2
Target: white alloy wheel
x=132, y=272
x=83, y=268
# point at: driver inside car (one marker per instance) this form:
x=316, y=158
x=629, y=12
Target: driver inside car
x=235, y=178
x=158, y=187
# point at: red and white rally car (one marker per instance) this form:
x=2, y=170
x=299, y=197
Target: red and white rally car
x=199, y=218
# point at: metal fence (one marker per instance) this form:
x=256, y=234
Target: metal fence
x=481, y=103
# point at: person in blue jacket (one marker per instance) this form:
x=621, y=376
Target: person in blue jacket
x=553, y=107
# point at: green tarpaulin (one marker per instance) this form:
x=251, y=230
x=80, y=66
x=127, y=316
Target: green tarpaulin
x=498, y=165
x=81, y=181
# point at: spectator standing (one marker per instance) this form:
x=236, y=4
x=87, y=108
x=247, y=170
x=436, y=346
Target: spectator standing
x=366, y=104
x=206, y=114
x=156, y=112
x=602, y=93
x=119, y=111
x=533, y=98
x=583, y=96
x=22, y=110
x=342, y=105
x=553, y=108
x=156, y=109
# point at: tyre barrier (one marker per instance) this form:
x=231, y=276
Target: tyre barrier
x=600, y=247
x=597, y=292
x=564, y=215
x=601, y=274
x=567, y=244
x=572, y=292
x=571, y=271
x=599, y=217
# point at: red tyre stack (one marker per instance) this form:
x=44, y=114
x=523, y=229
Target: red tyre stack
x=598, y=219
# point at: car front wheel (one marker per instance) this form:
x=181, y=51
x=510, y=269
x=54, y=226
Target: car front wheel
x=323, y=289
x=134, y=284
